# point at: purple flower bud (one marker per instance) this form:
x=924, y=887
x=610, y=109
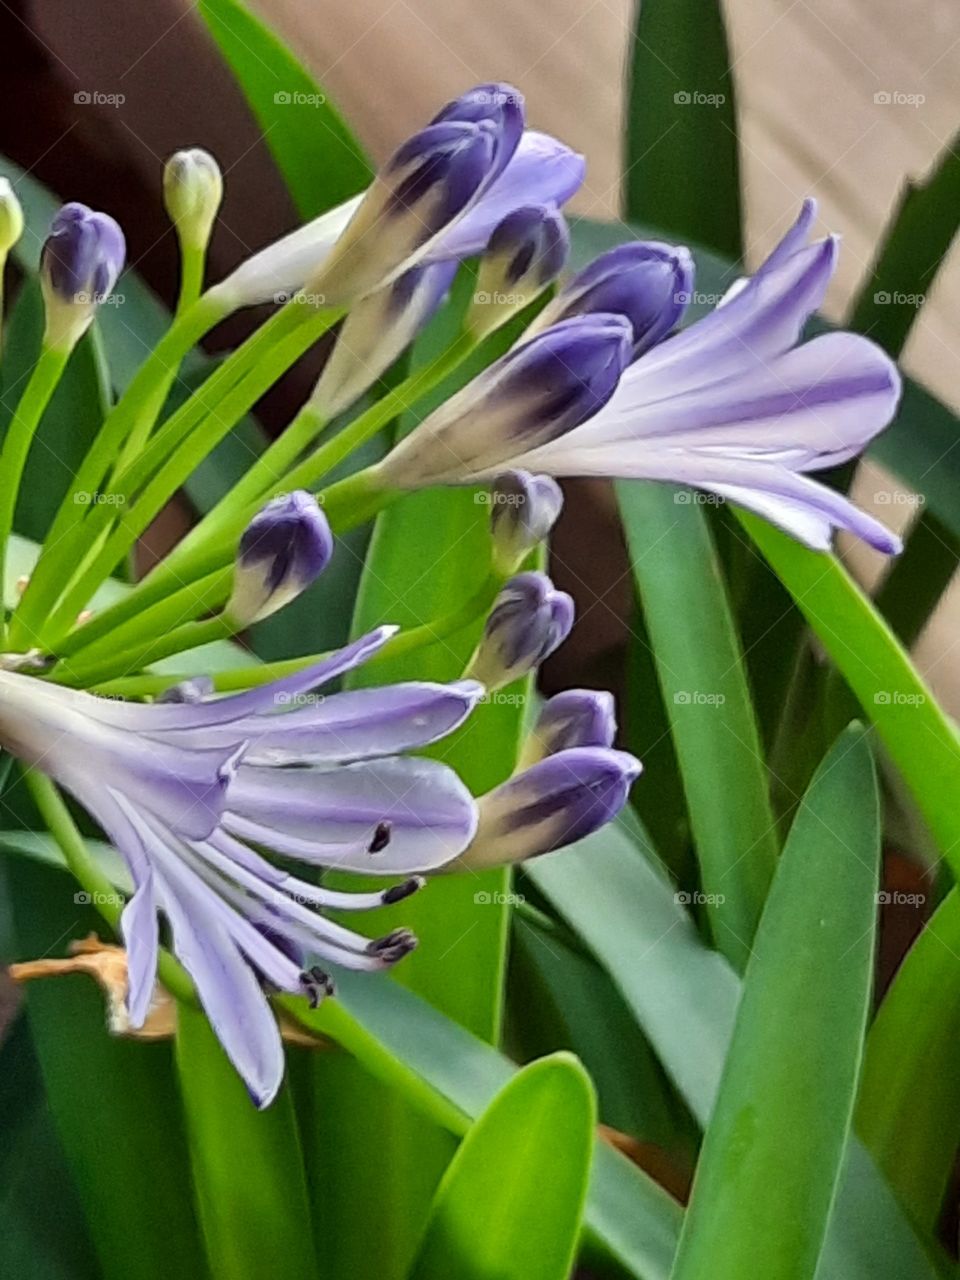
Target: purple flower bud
x=552, y=804
x=429, y=181
x=648, y=282
x=524, y=508
x=285, y=547
x=575, y=718
x=526, y=252
x=80, y=261
x=533, y=394
x=529, y=619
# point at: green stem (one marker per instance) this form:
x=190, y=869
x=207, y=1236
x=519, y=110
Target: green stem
x=102, y=891
x=193, y=558
x=60, y=547
x=16, y=446
x=188, y=636
x=192, y=438
x=249, y=677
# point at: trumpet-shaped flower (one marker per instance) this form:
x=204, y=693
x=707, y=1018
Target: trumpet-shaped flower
x=731, y=404
x=189, y=792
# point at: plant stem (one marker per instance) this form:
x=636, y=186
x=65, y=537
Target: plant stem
x=16, y=446
x=188, y=636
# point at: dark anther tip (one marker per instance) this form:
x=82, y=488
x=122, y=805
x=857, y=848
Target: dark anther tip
x=397, y=892
x=381, y=838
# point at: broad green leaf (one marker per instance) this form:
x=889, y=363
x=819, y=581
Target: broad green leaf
x=702, y=677
x=450, y=1076
x=247, y=1167
x=71, y=420
x=35, y=1244
x=321, y=161
x=908, y=1111
x=511, y=1200
x=919, y=738
x=684, y=998
x=682, y=163
x=917, y=579
x=114, y=1101
x=773, y=1150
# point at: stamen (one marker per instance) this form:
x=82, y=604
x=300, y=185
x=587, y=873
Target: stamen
x=317, y=985
x=393, y=946
x=381, y=837
x=397, y=892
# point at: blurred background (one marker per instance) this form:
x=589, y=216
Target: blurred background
x=842, y=99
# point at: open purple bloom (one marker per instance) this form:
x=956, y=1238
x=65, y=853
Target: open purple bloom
x=189, y=792
x=732, y=405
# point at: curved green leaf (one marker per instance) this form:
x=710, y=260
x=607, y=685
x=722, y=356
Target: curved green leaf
x=682, y=162
x=702, y=676
x=511, y=1200
x=773, y=1149
x=321, y=161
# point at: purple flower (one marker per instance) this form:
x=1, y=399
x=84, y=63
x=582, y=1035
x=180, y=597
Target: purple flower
x=732, y=405
x=542, y=171
x=526, y=252
x=523, y=510
x=648, y=282
x=79, y=264
x=535, y=393
x=549, y=805
x=529, y=619
x=284, y=549
x=431, y=180
x=188, y=792
x=378, y=328
x=574, y=718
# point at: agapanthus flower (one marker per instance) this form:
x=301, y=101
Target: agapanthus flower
x=528, y=621
x=523, y=510
x=541, y=171
x=79, y=264
x=526, y=252
x=284, y=549
x=189, y=791
x=734, y=404
x=574, y=718
x=192, y=194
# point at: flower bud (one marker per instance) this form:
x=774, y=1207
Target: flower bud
x=552, y=804
x=378, y=328
x=192, y=192
x=533, y=394
x=526, y=252
x=524, y=508
x=285, y=547
x=429, y=182
x=11, y=217
x=529, y=619
x=648, y=282
x=574, y=718
x=79, y=265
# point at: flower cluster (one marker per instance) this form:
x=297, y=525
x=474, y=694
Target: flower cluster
x=197, y=790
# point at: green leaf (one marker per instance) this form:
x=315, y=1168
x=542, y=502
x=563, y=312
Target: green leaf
x=684, y=998
x=908, y=1111
x=451, y=1076
x=773, y=1149
x=114, y=1101
x=702, y=677
x=321, y=161
x=510, y=1203
x=919, y=738
x=682, y=163
x=247, y=1167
